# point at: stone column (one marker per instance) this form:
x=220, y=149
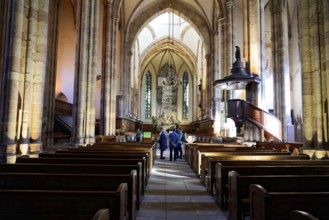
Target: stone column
x=85, y=73
x=125, y=80
x=13, y=107
x=94, y=27
x=40, y=60
x=109, y=74
x=50, y=78
x=6, y=36
x=27, y=72
x=217, y=75
x=314, y=40
x=246, y=40
x=255, y=54
x=306, y=60
x=208, y=91
x=280, y=39
x=230, y=35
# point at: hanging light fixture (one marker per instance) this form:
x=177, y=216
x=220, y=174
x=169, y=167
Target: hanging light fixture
x=172, y=80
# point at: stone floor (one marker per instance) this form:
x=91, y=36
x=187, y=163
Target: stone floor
x=174, y=192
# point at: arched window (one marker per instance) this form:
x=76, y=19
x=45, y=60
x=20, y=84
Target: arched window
x=186, y=93
x=148, y=95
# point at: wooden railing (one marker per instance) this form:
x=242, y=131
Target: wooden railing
x=63, y=108
x=240, y=110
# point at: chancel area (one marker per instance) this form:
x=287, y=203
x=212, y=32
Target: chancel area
x=90, y=85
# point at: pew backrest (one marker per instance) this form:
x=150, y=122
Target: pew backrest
x=265, y=205
x=62, y=204
x=238, y=188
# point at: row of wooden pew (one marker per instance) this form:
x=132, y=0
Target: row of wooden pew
x=103, y=181
x=262, y=183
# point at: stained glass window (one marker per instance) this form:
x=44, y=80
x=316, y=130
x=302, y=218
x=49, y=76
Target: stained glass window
x=186, y=93
x=148, y=95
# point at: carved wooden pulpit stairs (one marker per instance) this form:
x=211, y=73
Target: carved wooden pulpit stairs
x=240, y=111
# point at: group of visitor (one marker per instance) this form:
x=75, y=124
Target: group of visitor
x=176, y=138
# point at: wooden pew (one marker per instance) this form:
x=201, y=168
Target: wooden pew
x=265, y=205
x=72, y=182
x=131, y=146
x=301, y=215
x=117, y=150
x=79, y=169
x=210, y=156
x=280, y=169
x=127, y=154
x=99, y=155
x=62, y=204
x=212, y=161
x=114, y=161
x=197, y=154
x=238, y=195
x=191, y=150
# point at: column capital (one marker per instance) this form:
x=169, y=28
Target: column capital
x=230, y=4
x=222, y=21
x=274, y=5
x=108, y=2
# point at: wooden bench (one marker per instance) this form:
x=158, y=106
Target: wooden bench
x=118, y=150
x=198, y=155
x=222, y=175
x=114, y=161
x=113, y=153
x=72, y=182
x=190, y=148
x=210, y=156
x=212, y=161
x=131, y=146
x=238, y=189
x=266, y=205
x=192, y=156
x=301, y=215
x=62, y=204
x=79, y=169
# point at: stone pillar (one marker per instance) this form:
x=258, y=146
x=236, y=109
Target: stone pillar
x=120, y=106
x=217, y=75
x=109, y=74
x=313, y=21
x=230, y=35
x=13, y=107
x=280, y=39
x=50, y=78
x=85, y=73
x=91, y=115
x=246, y=31
x=37, y=95
x=255, y=54
x=6, y=36
x=208, y=88
x=125, y=80
x=23, y=125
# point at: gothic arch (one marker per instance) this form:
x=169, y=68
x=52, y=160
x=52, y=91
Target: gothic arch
x=162, y=45
x=184, y=10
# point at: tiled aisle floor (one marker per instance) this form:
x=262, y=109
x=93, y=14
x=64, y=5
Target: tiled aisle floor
x=175, y=193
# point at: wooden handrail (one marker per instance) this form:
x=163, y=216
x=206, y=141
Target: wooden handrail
x=63, y=108
x=240, y=110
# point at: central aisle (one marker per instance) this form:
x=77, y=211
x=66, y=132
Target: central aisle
x=175, y=193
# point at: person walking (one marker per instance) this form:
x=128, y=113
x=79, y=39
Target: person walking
x=138, y=135
x=173, y=144
x=180, y=143
x=162, y=143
